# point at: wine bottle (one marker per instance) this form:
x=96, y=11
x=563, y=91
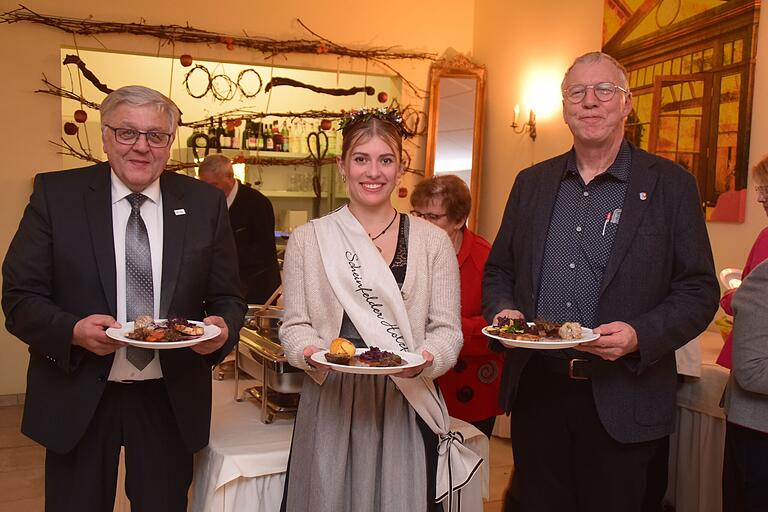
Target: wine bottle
x=213, y=136
x=269, y=141
x=286, y=137
x=221, y=134
x=277, y=139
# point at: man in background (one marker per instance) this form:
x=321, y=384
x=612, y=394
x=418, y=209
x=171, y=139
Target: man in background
x=99, y=246
x=253, y=223
x=614, y=238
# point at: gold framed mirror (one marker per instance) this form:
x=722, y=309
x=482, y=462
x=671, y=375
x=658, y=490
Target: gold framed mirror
x=455, y=123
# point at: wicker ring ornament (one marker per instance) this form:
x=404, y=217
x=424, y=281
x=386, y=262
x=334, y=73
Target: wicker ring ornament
x=231, y=88
x=208, y=82
x=240, y=82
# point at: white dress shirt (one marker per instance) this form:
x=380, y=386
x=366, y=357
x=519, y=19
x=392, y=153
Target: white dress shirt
x=152, y=214
x=232, y=194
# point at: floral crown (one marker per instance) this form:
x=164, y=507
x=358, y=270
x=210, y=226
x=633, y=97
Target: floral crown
x=389, y=114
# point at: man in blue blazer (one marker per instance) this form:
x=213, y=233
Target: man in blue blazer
x=87, y=237
x=614, y=238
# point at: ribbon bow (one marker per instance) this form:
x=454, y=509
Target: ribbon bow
x=444, y=447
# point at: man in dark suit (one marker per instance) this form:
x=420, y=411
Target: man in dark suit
x=95, y=246
x=253, y=223
x=614, y=238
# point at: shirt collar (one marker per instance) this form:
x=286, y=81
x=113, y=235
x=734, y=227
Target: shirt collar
x=619, y=169
x=120, y=191
x=232, y=194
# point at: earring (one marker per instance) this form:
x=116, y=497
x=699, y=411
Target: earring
x=343, y=178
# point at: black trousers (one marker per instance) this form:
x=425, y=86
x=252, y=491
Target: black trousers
x=158, y=466
x=745, y=469
x=564, y=458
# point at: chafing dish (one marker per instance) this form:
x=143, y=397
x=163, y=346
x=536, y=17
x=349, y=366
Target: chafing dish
x=260, y=355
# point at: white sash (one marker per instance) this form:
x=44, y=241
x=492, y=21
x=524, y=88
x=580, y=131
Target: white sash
x=368, y=292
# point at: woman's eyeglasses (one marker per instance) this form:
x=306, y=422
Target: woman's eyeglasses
x=604, y=91
x=431, y=217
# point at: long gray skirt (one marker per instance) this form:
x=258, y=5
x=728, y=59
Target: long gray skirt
x=356, y=447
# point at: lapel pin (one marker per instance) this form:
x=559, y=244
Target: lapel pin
x=180, y=211
x=643, y=196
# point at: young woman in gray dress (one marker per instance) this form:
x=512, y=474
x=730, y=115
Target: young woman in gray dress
x=358, y=444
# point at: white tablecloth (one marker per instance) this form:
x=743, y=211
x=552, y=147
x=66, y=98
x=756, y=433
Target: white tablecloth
x=696, y=447
x=243, y=467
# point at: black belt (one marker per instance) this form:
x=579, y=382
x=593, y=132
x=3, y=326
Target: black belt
x=574, y=368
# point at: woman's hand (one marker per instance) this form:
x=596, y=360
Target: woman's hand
x=308, y=351
x=410, y=373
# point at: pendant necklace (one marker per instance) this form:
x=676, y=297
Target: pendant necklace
x=373, y=238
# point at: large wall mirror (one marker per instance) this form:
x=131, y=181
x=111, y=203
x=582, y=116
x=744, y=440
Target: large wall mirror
x=455, y=129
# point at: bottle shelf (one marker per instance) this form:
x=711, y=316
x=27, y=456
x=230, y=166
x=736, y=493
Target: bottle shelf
x=290, y=193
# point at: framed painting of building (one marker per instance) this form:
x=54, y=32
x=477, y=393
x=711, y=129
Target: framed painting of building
x=691, y=67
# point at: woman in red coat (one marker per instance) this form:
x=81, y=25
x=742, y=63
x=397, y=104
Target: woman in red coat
x=471, y=388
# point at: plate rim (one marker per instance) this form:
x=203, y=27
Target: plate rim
x=366, y=370
x=118, y=335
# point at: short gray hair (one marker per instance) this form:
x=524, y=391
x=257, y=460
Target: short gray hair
x=140, y=96
x=215, y=164
x=594, y=57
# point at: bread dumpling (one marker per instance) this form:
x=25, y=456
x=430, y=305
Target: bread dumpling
x=570, y=331
x=341, y=351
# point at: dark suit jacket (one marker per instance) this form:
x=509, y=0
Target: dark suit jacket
x=253, y=223
x=60, y=267
x=660, y=279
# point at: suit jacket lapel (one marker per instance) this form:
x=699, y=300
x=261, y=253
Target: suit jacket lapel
x=174, y=232
x=98, y=210
x=545, y=196
x=642, y=181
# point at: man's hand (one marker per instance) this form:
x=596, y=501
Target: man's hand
x=409, y=373
x=616, y=339
x=90, y=334
x=510, y=313
x=212, y=345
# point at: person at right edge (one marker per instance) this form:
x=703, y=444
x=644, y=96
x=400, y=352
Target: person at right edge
x=614, y=238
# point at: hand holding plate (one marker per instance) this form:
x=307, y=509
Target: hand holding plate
x=212, y=345
x=616, y=340
x=414, y=371
x=316, y=365
x=89, y=333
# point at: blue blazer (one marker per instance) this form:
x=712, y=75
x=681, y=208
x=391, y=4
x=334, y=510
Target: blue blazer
x=660, y=279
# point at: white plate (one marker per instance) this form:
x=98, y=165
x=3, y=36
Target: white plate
x=209, y=331
x=545, y=343
x=410, y=359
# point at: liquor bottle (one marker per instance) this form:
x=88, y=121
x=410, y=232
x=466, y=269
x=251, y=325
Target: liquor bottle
x=230, y=137
x=285, y=134
x=269, y=142
x=260, y=144
x=277, y=139
x=221, y=134
x=213, y=137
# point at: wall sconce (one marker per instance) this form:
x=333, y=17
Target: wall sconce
x=529, y=126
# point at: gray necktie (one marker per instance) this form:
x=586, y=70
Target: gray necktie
x=139, y=294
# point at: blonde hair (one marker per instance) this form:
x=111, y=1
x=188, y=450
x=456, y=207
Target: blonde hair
x=363, y=131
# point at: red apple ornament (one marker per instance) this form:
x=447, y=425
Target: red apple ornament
x=81, y=116
x=186, y=60
x=382, y=97
x=70, y=128
x=402, y=192
x=325, y=124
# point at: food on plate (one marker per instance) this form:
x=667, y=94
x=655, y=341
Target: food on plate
x=570, y=331
x=376, y=357
x=538, y=330
x=175, y=329
x=341, y=351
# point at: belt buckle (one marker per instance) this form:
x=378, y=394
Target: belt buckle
x=571, y=373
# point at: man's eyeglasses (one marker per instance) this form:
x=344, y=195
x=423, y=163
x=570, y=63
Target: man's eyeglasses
x=762, y=190
x=604, y=91
x=431, y=217
x=129, y=137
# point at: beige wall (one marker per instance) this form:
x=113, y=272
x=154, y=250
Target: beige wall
x=31, y=120
x=548, y=35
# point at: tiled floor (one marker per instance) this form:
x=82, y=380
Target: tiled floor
x=21, y=467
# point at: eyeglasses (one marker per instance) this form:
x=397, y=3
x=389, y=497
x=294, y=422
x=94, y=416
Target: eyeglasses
x=431, y=217
x=762, y=190
x=604, y=91
x=129, y=137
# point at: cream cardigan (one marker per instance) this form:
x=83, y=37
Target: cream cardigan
x=313, y=315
